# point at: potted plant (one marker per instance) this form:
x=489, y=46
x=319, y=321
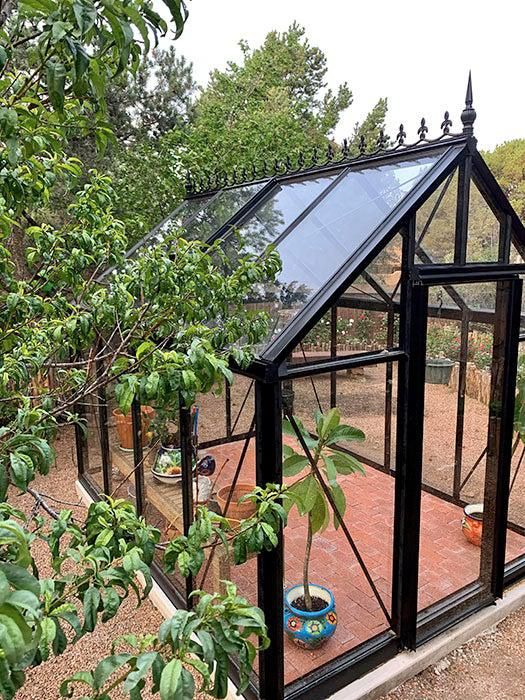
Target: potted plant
x=124, y=425
x=309, y=609
x=442, y=342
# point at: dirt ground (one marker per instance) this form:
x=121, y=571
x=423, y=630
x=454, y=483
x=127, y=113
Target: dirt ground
x=490, y=666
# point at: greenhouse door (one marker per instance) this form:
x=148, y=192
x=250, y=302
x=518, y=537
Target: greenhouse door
x=454, y=447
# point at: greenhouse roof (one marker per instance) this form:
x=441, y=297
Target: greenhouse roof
x=326, y=221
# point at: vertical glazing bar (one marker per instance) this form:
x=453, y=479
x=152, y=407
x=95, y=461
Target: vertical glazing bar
x=501, y=419
x=228, y=407
x=270, y=569
x=409, y=451
x=138, y=456
x=460, y=250
x=81, y=442
x=505, y=237
x=333, y=354
x=460, y=415
x=388, y=390
x=187, y=458
x=104, y=437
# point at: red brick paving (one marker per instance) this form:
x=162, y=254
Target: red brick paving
x=447, y=561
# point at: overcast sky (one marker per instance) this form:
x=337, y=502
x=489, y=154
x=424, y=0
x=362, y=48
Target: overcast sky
x=417, y=54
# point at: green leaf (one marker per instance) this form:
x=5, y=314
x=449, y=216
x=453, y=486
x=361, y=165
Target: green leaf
x=331, y=471
x=56, y=82
x=143, y=665
x=294, y=464
x=307, y=491
x=170, y=679
x=346, y=464
x=20, y=579
x=330, y=422
x=107, y=667
x=319, y=516
x=79, y=677
x=85, y=15
x=340, y=501
x=21, y=469
x=345, y=433
x=91, y=602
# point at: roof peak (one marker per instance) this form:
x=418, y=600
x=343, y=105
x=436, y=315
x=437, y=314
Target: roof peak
x=468, y=115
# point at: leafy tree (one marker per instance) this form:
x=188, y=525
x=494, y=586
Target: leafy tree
x=156, y=99
x=271, y=106
x=507, y=162
x=162, y=325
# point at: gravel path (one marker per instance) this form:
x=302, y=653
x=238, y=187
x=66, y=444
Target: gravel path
x=490, y=666
x=43, y=682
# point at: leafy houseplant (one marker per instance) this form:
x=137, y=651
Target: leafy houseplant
x=310, y=617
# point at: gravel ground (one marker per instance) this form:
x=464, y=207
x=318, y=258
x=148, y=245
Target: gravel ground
x=44, y=681
x=490, y=666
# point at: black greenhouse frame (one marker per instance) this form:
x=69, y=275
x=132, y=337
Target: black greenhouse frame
x=271, y=375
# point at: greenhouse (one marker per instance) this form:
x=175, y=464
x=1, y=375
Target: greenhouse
x=399, y=303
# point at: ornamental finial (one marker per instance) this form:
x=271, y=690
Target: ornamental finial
x=446, y=123
x=468, y=115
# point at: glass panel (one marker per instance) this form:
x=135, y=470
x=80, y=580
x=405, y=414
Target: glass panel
x=454, y=450
x=483, y=229
x=436, y=223
x=220, y=209
x=176, y=219
x=277, y=213
x=360, y=396
x=315, y=249
x=516, y=522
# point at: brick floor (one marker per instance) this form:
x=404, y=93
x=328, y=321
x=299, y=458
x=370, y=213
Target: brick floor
x=447, y=561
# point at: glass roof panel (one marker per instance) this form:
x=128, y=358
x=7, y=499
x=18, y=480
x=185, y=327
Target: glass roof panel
x=286, y=202
x=220, y=209
x=313, y=250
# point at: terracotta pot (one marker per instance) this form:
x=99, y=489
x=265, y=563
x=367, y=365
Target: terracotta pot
x=472, y=523
x=236, y=510
x=125, y=426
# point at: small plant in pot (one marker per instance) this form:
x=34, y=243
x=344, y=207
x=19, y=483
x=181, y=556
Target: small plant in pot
x=309, y=609
x=168, y=459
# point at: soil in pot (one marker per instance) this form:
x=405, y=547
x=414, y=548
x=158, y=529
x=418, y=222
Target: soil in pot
x=317, y=604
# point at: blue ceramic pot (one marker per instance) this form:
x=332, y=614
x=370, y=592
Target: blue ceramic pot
x=309, y=629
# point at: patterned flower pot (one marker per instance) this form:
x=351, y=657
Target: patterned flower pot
x=309, y=629
x=472, y=523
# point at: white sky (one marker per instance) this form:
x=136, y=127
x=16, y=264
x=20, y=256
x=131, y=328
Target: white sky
x=415, y=53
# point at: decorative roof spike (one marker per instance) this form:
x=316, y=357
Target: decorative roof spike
x=300, y=160
x=244, y=174
x=382, y=140
x=254, y=170
x=287, y=164
x=346, y=150
x=276, y=166
x=264, y=168
x=329, y=153
x=234, y=176
x=468, y=115
x=224, y=178
x=401, y=135
x=446, y=123
x=423, y=129
x=362, y=144
x=315, y=156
